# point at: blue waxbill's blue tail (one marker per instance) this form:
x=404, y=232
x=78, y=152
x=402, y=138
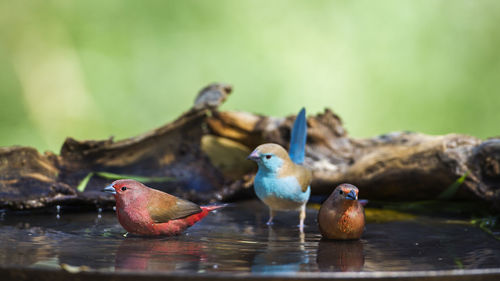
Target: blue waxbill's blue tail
x=298, y=139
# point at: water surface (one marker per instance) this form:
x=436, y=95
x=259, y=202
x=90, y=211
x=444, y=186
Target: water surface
x=236, y=239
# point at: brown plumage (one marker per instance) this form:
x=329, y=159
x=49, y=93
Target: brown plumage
x=280, y=183
x=289, y=169
x=163, y=207
x=342, y=216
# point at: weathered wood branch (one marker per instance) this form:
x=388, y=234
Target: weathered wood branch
x=396, y=166
x=204, y=151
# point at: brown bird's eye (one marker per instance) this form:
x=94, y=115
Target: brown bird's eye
x=268, y=156
x=341, y=192
x=124, y=188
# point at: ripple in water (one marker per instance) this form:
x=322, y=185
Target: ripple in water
x=236, y=239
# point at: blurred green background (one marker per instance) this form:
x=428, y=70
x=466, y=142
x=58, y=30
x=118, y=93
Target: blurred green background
x=92, y=69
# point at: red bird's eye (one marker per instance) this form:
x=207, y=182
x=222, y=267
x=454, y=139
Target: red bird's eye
x=124, y=188
x=268, y=156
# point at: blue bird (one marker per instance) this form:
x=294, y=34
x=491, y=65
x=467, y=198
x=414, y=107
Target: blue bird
x=282, y=183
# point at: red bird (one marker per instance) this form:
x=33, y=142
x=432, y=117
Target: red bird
x=145, y=211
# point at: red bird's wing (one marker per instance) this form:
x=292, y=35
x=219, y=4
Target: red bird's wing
x=164, y=207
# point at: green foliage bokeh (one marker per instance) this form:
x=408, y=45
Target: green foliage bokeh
x=92, y=69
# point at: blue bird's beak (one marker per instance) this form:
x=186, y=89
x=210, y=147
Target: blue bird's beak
x=254, y=156
x=351, y=195
x=109, y=189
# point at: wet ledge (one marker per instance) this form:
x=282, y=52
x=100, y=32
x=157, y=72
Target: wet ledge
x=56, y=275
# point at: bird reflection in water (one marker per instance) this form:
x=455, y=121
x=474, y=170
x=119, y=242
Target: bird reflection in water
x=281, y=255
x=160, y=254
x=340, y=255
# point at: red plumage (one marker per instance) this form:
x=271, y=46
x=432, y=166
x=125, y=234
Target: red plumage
x=145, y=211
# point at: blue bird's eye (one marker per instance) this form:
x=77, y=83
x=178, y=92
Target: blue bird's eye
x=268, y=156
x=341, y=192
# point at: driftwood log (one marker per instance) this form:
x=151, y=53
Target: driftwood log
x=204, y=152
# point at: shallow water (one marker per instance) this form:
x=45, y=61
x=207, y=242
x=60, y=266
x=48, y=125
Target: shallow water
x=236, y=239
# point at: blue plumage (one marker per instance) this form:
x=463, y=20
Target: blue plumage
x=280, y=193
x=298, y=138
x=281, y=182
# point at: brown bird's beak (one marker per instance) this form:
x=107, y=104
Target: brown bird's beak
x=351, y=195
x=254, y=156
x=109, y=189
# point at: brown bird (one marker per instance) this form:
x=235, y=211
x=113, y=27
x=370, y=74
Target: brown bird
x=342, y=216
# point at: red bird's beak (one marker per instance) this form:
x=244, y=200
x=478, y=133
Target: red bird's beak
x=109, y=189
x=255, y=156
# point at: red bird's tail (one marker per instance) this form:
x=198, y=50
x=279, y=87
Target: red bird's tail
x=212, y=207
x=204, y=211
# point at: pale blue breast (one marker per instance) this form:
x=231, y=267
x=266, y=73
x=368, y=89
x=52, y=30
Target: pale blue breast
x=280, y=193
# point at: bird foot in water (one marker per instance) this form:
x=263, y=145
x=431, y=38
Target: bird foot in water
x=301, y=227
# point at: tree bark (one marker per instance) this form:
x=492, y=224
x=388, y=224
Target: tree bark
x=395, y=166
x=204, y=152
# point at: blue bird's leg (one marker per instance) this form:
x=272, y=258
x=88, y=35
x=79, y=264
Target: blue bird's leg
x=302, y=217
x=271, y=216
